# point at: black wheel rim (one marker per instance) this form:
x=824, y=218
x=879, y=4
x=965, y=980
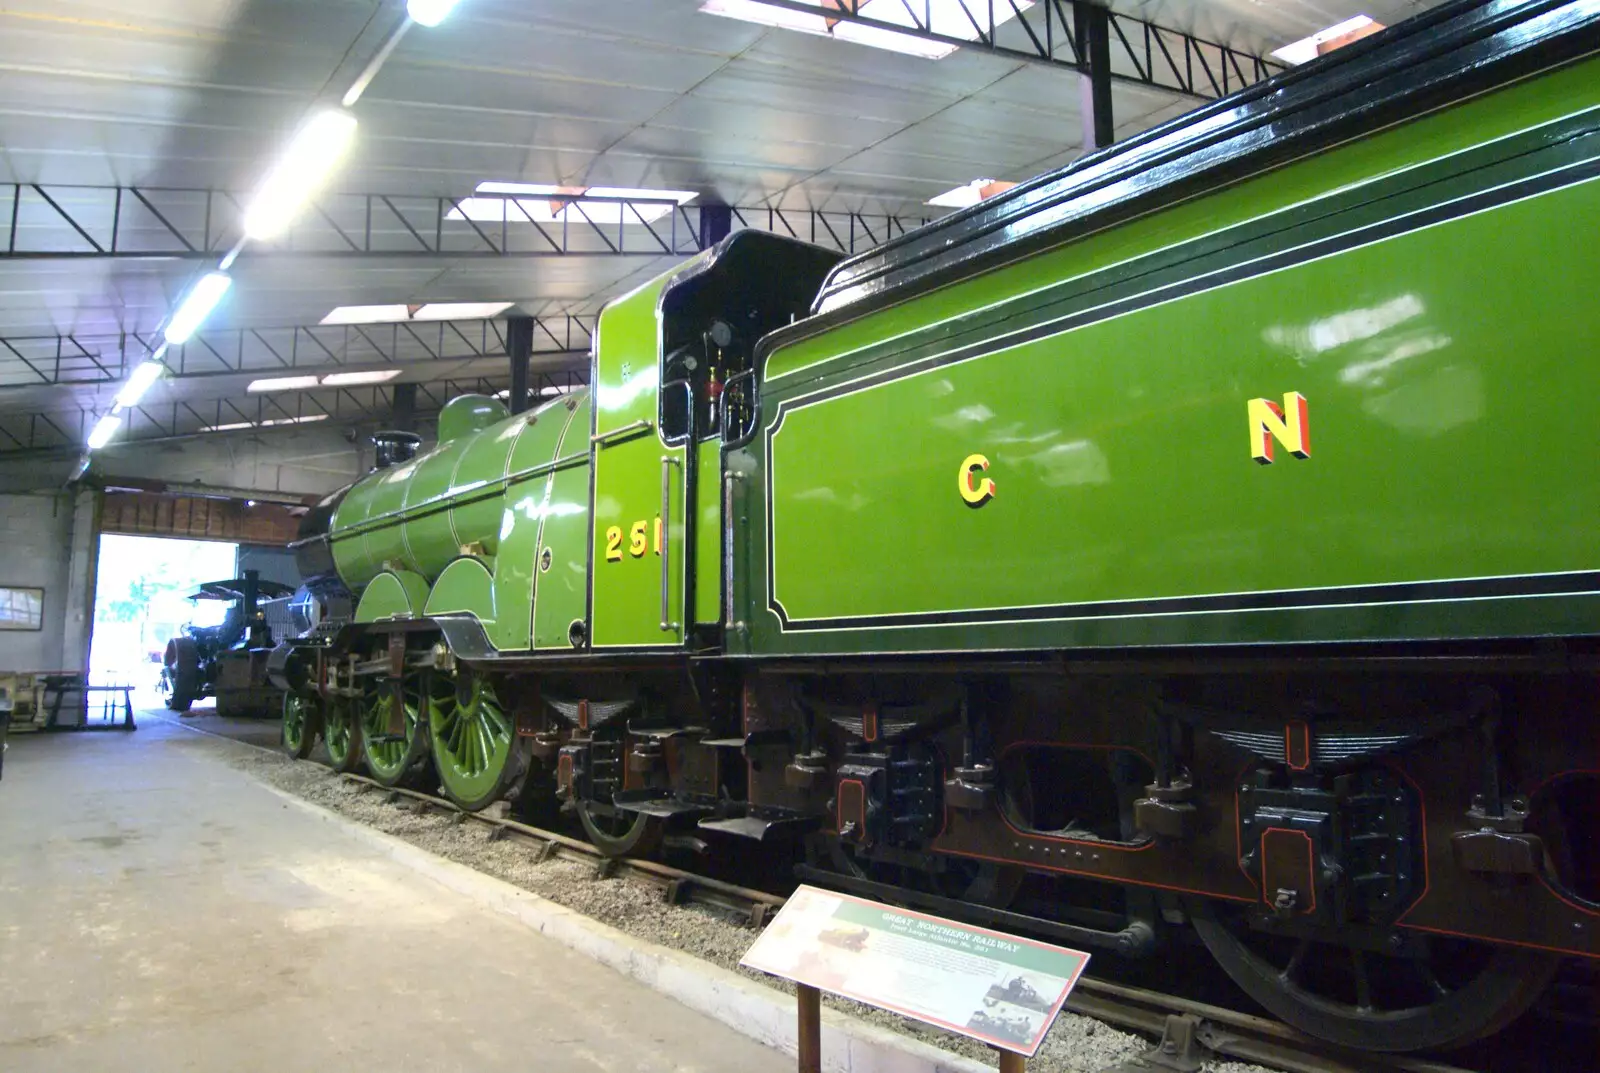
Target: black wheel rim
x=1424, y=992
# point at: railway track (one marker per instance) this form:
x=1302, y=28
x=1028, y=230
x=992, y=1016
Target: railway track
x=1190, y=1031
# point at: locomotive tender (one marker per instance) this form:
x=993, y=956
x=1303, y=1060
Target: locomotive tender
x=1180, y=538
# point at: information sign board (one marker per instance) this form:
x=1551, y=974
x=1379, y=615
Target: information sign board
x=1001, y=989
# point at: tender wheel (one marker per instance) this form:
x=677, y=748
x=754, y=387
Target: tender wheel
x=475, y=747
x=341, y=735
x=621, y=834
x=180, y=674
x=389, y=756
x=1432, y=992
x=300, y=725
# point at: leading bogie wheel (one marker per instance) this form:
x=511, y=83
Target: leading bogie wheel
x=476, y=750
x=390, y=756
x=301, y=723
x=1422, y=992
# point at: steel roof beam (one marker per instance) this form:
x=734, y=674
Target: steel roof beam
x=183, y=224
x=1142, y=53
x=91, y=359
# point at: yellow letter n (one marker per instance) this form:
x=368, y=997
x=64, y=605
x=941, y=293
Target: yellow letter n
x=1289, y=424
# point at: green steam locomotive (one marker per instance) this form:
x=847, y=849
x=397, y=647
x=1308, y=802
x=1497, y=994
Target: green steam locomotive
x=999, y=569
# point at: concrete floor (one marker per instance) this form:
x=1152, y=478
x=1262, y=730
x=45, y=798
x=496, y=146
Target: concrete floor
x=161, y=911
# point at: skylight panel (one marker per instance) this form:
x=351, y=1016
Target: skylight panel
x=1339, y=34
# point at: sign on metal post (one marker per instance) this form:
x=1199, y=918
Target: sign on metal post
x=1000, y=989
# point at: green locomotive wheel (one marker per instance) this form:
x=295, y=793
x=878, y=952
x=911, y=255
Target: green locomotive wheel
x=389, y=756
x=340, y=735
x=300, y=725
x=475, y=747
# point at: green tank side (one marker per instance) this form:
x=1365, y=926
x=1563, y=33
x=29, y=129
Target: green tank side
x=1115, y=393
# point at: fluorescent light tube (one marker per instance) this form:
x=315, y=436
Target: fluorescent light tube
x=372, y=376
x=237, y=425
x=103, y=430
x=313, y=153
x=429, y=13
x=283, y=383
x=196, y=307
x=146, y=374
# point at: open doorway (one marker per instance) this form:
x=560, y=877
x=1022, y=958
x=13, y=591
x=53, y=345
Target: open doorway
x=141, y=590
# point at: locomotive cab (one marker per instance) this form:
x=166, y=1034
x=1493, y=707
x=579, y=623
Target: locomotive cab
x=672, y=368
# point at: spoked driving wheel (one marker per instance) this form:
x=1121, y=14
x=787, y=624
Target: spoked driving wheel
x=300, y=725
x=389, y=754
x=1420, y=993
x=620, y=834
x=340, y=735
x=476, y=750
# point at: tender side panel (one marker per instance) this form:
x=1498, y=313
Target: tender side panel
x=1122, y=418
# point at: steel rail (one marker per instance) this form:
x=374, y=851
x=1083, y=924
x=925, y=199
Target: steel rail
x=677, y=886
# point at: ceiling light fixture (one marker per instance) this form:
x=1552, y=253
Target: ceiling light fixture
x=103, y=430
x=371, y=376
x=145, y=375
x=1336, y=36
x=282, y=383
x=196, y=307
x=313, y=153
x=270, y=423
x=549, y=204
x=429, y=13
x=430, y=311
x=948, y=18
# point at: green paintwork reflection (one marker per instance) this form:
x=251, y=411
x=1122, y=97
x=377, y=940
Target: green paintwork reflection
x=628, y=469
x=544, y=439
x=392, y=594
x=1121, y=449
x=1378, y=157
x=563, y=592
x=466, y=585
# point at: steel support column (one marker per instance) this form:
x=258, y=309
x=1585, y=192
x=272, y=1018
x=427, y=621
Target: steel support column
x=519, y=347
x=1094, y=37
x=716, y=224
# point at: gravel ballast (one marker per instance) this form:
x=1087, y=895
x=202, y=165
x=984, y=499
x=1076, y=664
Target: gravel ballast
x=1075, y=1045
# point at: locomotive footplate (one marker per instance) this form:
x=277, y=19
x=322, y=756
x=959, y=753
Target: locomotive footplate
x=1338, y=849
